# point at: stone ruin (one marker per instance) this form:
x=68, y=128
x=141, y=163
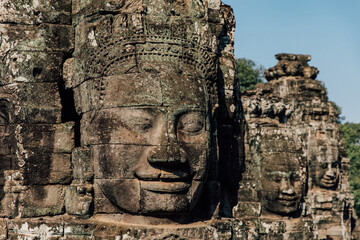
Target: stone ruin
x=294, y=151
x=122, y=119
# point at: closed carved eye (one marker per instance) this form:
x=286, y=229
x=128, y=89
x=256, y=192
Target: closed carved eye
x=295, y=177
x=277, y=178
x=139, y=124
x=137, y=120
x=191, y=123
x=324, y=165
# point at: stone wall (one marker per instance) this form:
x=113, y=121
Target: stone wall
x=36, y=142
x=122, y=119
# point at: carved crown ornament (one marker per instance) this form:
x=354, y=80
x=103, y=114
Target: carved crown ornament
x=260, y=108
x=153, y=44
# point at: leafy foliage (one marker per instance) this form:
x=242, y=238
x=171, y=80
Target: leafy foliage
x=249, y=73
x=338, y=111
x=352, y=143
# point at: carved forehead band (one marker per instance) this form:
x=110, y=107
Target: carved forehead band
x=157, y=44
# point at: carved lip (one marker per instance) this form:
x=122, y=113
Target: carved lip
x=165, y=176
x=328, y=182
x=165, y=187
x=287, y=201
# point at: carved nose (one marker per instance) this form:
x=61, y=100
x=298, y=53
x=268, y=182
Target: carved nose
x=167, y=155
x=330, y=173
x=166, y=163
x=286, y=187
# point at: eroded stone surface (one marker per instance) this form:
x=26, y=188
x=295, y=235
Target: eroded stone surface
x=36, y=144
x=147, y=96
x=122, y=119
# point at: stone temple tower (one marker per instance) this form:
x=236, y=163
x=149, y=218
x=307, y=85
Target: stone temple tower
x=295, y=107
x=122, y=119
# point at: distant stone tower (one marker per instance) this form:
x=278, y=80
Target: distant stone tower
x=293, y=101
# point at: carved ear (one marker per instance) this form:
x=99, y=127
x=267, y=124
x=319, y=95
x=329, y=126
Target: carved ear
x=68, y=72
x=4, y=112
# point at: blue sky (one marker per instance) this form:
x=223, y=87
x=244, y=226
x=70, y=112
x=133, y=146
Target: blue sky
x=328, y=30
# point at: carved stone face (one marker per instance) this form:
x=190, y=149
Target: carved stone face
x=282, y=187
x=325, y=169
x=150, y=140
x=282, y=177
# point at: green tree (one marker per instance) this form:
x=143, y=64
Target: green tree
x=338, y=110
x=249, y=73
x=351, y=133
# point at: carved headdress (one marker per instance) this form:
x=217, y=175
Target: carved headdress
x=178, y=32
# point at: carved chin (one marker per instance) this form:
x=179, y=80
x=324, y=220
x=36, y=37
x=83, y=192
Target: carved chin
x=151, y=198
x=283, y=207
x=125, y=194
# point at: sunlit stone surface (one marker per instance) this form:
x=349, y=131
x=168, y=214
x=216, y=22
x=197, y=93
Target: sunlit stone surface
x=122, y=119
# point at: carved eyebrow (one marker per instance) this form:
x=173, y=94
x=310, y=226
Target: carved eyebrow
x=190, y=111
x=182, y=112
x=179, y=115
x=327, y=161
x=137, y=119
x=191, y=121
x=283, y=174
x=141, y=112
